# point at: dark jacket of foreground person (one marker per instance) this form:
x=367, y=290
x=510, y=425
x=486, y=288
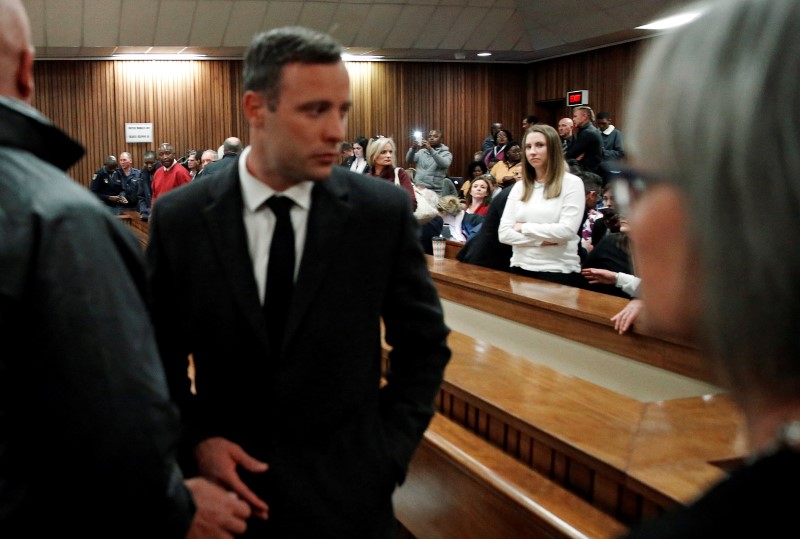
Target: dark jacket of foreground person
x=87, y=430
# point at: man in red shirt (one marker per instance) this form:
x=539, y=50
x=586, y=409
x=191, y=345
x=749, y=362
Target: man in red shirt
x=169, y=176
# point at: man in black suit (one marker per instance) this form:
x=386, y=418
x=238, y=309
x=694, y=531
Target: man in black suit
x=297, y=422
x=230, y=149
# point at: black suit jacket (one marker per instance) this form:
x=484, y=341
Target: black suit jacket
x=336, y=444
x=589, y=142
x=484, y=248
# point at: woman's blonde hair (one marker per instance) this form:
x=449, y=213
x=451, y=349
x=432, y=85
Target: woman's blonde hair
x=450, y=205
x=556, y=165
x=375, y=148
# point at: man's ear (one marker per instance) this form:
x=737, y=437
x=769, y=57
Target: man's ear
x=24, y=75
x=255, y=109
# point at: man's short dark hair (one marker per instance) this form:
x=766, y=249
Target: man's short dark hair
x=604, y=116
x=149, y=154
x=270, y=51
x=591, y=182
x=531, y=119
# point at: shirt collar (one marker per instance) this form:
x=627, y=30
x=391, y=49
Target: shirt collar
x=255, y=192
x=608, y=130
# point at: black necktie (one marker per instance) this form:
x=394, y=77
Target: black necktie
x=280, y=271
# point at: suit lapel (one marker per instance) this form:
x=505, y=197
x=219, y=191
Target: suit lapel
x=223, y=217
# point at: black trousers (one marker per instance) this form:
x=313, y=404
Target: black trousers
x=570, y=279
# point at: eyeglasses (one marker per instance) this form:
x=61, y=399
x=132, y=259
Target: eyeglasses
x=627, y=185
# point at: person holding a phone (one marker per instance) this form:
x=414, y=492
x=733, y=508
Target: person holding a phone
x=432, y=159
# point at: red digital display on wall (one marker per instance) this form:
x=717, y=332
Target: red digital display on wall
x=577, y=97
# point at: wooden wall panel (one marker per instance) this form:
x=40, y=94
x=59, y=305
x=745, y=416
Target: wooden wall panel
x=605, y=73
x=197, y=104
x=192, y=105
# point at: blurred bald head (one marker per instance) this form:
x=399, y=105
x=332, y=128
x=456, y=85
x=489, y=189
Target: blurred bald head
x=16, y=51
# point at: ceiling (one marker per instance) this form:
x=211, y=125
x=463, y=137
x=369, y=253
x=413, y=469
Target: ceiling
x=518, y=31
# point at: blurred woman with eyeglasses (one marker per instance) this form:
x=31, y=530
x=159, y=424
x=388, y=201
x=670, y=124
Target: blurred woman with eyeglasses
x=712, y=216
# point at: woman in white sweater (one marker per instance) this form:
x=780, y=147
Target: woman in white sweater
x=544, y=211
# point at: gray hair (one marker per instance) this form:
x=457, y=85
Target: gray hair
x=726, y=85
x=270, y=51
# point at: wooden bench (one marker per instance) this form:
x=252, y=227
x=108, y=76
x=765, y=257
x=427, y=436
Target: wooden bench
x=461, y=486
x=629, y=458
x=580, y=315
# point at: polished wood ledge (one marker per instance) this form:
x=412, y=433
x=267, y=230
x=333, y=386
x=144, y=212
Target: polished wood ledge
x=136, y=226
x=460, y=485
x=580, y=315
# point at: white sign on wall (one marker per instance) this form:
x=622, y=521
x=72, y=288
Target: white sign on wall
x=138, y=133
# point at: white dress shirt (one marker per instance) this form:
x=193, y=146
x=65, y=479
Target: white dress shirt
x=259, y=221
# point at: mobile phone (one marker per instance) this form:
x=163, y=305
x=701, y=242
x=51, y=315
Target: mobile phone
x=418, y=136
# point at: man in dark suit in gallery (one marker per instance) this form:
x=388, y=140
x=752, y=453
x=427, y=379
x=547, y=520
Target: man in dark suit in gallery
x=289, y=410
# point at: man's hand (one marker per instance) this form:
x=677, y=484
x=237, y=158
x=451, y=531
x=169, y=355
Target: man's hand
x=217, y=459
x=426, y=145
x=220, y=514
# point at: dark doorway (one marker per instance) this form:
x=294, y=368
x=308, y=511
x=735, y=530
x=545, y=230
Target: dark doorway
x=550, y=111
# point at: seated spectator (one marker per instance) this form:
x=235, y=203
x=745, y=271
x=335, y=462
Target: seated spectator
x=474, y=169
x=380, y=156
x=498, y=151
x=489, y=141
x=357, y=162
x=433, y=228
x=479, y=197
x=345, y=152
x=610, y=219
x=462, y=225
x=608, y=268
x=484, y=248
x=592, y=185
x=509, y=170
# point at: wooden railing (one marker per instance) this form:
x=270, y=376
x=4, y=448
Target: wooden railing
x=631, y=459
x=580, y=315
x=136, y=226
